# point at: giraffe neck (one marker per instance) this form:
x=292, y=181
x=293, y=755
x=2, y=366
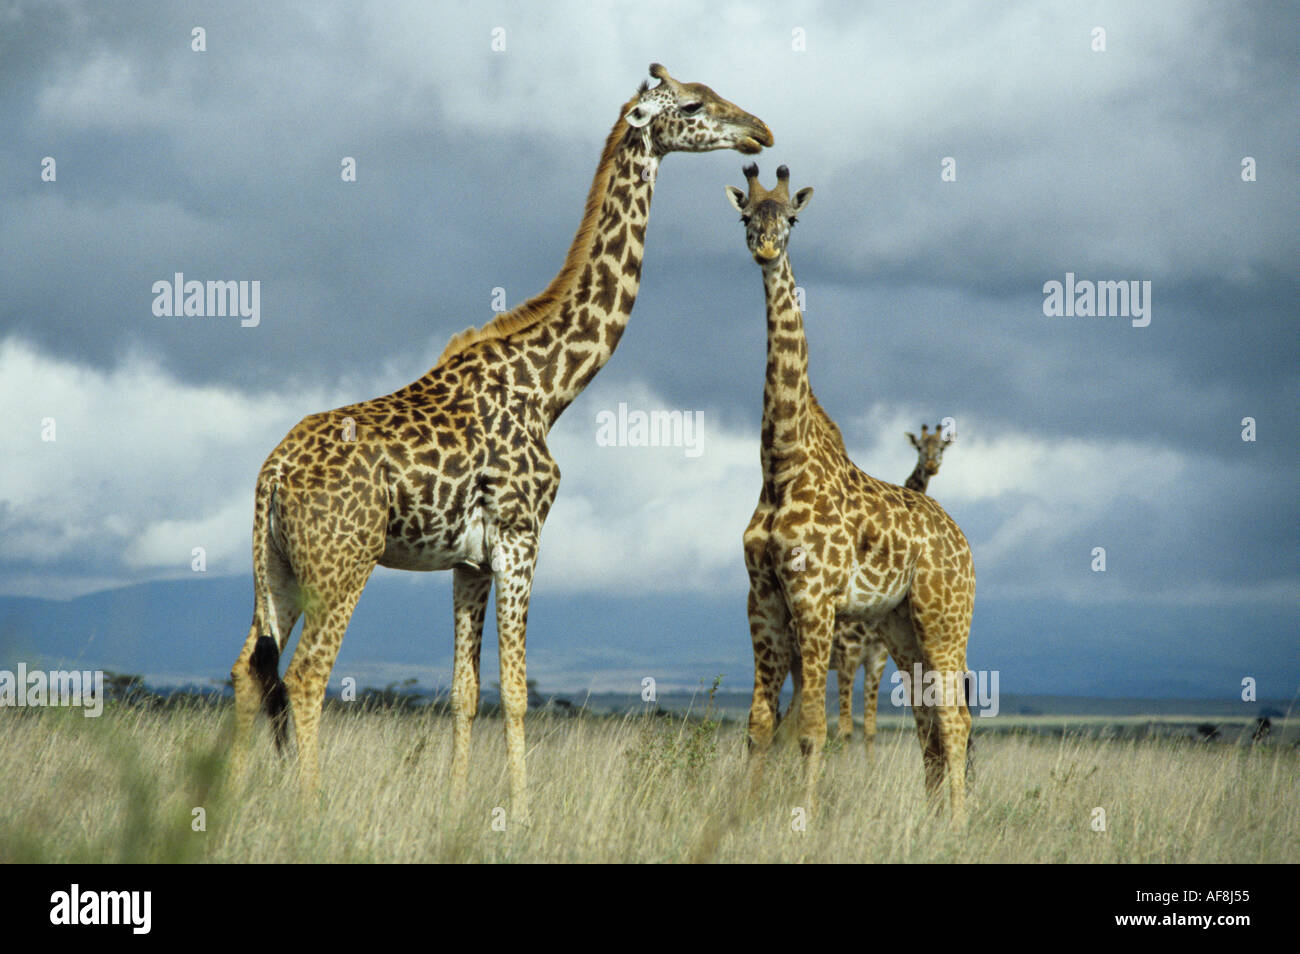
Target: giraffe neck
x=786, y=393
x=592, y=298
x=919, y=480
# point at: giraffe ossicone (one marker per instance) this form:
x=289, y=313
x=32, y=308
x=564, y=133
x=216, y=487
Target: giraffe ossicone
x=873, y=552
x=452, y=472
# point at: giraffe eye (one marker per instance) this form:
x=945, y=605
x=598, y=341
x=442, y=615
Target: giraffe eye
x=690, y=108
x=793, y=219
x=745, y=219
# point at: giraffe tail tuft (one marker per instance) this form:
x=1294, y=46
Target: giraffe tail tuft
x=265, y=665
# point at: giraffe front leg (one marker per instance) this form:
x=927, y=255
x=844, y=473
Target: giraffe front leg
x=513, y=560
x=470, y=589
x=814, y=622
x=769, y=630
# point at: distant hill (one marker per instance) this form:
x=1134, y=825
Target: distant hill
x=189, y=631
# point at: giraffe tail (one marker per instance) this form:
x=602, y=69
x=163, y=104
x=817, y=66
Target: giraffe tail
x=264, y=663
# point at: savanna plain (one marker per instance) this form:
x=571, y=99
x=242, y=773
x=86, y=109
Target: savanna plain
x=139, y=785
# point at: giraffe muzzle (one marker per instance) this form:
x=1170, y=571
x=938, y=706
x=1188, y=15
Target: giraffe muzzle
x=759, y=136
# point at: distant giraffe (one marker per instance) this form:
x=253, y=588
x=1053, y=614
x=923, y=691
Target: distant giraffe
x=858, y=644
x=829, y=543
x=452, y=472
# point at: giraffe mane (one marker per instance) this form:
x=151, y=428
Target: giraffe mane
x=540, y=306
x=832, y=429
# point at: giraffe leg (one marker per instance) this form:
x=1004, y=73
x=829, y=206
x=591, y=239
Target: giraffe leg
x=874, y=664
x=927, y=727
x=787, y=724
x=513, y=561
x=769, y=630
x=941, y=631
x=845, y=658
x=275, y=611
x=470, y=589
x=814, y=622
x=944, y=730
x=308, y=676
x=956, y=744
x=937, y=704
x=844, y=686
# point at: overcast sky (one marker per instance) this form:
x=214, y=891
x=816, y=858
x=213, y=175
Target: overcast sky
x=924, y=297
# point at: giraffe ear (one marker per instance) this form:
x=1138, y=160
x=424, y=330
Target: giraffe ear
x=801, y=199
x=642, y=113
x=912, y=437
x=736, y=198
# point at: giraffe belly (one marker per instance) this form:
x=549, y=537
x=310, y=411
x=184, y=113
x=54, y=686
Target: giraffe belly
x=441, y=548
x=870, y=596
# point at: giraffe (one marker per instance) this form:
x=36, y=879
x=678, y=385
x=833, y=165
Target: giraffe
x=829, y=543
x=857, y=644
x=452, y=471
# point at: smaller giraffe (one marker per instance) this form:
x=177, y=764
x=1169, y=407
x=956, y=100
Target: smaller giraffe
x=828, y=542
x=857, y=644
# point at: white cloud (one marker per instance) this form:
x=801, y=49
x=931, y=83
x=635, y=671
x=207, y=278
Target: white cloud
x=146, y=467
x=647, y=518
x=143, y=468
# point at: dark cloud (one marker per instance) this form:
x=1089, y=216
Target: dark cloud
x=921, y=293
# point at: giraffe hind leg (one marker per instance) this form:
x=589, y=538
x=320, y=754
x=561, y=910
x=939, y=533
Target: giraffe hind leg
x=309, y=671
x=941, y=638
x=786, y=726
x=942, y=729
x=470, y=590
x=844, y=663
x=874, y=665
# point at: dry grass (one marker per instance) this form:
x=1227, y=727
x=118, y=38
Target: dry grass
x=123, y=788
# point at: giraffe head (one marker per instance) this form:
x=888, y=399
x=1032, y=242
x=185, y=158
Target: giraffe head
x=768, y=216
x=690, y=117
x=930, y=446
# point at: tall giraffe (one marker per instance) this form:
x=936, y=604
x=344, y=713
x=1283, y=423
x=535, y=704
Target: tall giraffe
x=857, y=644
x=452, y=471
x=827, y=542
